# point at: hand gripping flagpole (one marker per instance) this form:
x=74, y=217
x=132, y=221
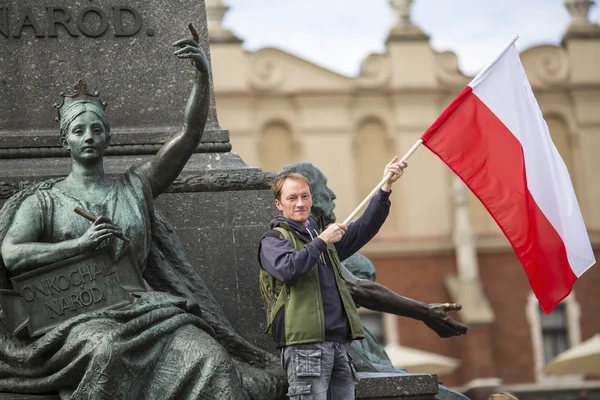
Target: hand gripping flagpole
x=383, y=181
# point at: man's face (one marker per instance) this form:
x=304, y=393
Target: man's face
x=295, y=201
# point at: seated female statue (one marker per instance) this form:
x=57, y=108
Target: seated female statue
x=173, y=341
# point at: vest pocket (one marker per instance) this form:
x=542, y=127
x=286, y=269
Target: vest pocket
x=308, y=362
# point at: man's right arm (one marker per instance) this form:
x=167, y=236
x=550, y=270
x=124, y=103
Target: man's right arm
x=279, y=258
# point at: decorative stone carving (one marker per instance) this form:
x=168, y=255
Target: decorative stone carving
x=552, y=64
x=375, y=71
x=215, y=11
x=404, y=29
x=546, y=65
x=447, y=69
x=266, y=71
x=7, y=189
x=402, y=13
x=220, y=181
x=579, y=10
x=208, y=182
x=121, y=150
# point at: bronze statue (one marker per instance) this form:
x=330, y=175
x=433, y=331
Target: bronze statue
x=360, y=274
x=172, y=341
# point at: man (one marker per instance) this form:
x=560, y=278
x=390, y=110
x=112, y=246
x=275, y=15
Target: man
x=312, y=316
x=369, y=355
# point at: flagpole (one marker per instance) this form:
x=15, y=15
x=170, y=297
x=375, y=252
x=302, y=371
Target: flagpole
x=383, y=181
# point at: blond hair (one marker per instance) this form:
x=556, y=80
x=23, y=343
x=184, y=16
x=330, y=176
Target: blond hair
x=277, y=184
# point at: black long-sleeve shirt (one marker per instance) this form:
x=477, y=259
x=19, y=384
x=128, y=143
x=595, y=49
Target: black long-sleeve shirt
x=279, y=258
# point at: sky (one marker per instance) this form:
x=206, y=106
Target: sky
x=340, y=34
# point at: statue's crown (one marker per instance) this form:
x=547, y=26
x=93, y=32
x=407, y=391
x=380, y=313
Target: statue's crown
x=80, y=93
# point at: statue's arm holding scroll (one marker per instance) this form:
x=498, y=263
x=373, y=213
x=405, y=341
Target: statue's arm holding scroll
x=22, y=250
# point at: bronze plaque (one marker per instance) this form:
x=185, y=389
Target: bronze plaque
x=44, y=298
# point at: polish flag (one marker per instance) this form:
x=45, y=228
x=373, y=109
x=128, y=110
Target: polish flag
x=494, y=137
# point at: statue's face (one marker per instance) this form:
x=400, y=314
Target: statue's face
x=323, y=198
x=86, y=138
x=295, y=201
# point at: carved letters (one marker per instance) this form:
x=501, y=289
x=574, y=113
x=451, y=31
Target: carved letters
x=89, y=21
x=50, y=295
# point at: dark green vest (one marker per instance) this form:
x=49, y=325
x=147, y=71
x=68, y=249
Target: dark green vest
x=295, y=313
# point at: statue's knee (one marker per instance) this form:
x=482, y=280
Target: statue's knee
x=203, y=345
x=101, y=342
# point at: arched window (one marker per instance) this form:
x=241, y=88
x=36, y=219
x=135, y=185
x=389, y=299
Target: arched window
x=373, y=149
x=277, y=147
x=553, y=333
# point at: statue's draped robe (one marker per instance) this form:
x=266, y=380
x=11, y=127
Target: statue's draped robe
x=173, y=342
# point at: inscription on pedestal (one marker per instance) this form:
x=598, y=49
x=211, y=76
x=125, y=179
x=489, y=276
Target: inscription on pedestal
x=43, y=298
x=90, y=21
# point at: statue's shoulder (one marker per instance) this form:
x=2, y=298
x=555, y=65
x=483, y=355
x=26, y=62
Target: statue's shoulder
x=360, y=266
x=359, y=259
x=29, y=196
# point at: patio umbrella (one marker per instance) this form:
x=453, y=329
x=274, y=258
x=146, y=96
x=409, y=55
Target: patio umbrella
x=419, y=361
x=583, y=358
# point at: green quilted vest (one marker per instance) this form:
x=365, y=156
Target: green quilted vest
x=295, y=313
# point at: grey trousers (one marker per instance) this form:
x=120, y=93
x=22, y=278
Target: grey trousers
x=319, y=371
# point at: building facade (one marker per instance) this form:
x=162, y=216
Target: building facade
x=439, y=244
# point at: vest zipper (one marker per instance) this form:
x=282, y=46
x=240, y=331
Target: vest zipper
x=317, y=293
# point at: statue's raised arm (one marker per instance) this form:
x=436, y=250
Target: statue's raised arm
x=163, y=168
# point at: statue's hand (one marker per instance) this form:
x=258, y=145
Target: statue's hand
x=190, y=48
x=442, y=323
x=100, y=230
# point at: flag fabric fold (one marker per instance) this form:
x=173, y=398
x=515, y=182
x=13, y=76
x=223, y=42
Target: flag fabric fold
x=494, y=137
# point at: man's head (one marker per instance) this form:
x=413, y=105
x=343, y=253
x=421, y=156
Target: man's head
x=322, y=196
x=293, y=196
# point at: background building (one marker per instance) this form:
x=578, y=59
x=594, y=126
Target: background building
x=439, y=244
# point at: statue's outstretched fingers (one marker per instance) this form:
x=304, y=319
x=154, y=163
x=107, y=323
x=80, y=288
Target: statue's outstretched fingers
x=185, y=49
x=187, y=41
x=451, y=307
x=461, y=328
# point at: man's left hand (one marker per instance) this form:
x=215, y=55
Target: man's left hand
x=396, y=168
x=439, y=320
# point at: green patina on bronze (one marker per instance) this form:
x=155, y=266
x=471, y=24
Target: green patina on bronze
x=173, y=341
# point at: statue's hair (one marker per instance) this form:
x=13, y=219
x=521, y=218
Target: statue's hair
x=306, y=169
x=277, y=184
x=74, y=109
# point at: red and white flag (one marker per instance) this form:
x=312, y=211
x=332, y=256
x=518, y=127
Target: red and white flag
x=494, y=137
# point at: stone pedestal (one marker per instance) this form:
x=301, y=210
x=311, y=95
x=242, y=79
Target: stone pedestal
x=370, y=387
x=388, y=386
